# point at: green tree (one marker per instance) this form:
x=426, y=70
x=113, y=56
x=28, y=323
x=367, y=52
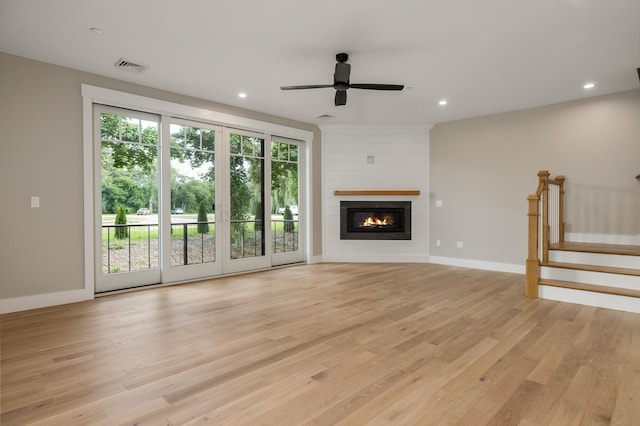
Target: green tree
x=239, y=183
x=258, y=223
x=121, y=219
x=288, y=220
x=284, y=175
x=196, y=146
x=203, y=225
x=117, y=131
x=129, y=163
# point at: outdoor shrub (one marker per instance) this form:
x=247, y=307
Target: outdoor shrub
x=288, y=219
x=203, y=225
x=121, y=219
x=258, y=218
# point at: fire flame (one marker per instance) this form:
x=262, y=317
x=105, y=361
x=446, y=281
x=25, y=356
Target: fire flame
x=370, y=221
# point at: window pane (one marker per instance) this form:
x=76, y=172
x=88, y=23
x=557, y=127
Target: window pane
x=247, y=146
x=258, y=145
x=208, y=139
x=129, y=129
x=235, y=146
x=149, y=132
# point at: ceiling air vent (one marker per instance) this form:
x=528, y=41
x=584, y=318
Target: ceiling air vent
x=125, y=64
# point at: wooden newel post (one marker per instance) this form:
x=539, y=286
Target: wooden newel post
x=533, y=263
x=560, y=180
x=543, y=182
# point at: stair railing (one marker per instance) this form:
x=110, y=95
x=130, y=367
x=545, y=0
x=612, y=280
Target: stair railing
x=546, y=226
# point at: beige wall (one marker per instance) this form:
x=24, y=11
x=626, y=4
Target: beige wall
x=481, y=168
x=484, y=168
x=41, y=250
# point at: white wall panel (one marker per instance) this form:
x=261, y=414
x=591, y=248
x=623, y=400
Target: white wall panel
x=401, y=161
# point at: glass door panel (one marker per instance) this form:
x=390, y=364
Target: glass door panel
x=193, y=233
x=246, y=202
x=127, y=234
x=285, y=205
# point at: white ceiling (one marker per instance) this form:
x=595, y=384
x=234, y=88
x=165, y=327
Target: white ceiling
x=482, y=56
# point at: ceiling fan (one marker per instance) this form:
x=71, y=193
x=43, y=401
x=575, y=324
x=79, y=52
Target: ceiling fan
x=341, y=82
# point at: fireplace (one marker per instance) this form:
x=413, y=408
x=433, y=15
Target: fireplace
x=375, y=220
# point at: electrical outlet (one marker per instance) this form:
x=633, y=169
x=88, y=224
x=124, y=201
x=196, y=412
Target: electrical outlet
x=437, y=243
x=35, y=202
x=460, y=244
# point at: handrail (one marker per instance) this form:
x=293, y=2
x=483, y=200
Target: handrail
x=541, y=228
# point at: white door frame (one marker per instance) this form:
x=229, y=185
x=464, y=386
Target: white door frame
x=97, y=95
x=137, y=278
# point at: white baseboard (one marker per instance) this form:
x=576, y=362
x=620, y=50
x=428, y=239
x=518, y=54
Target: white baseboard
x=479, y=264
x=315, y=259
x=24, y=303
x=632, y=240
x=581, y=297
x=377, y=257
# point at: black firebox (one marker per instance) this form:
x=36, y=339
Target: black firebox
x=375, y=220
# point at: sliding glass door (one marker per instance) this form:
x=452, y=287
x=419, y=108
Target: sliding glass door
x=192, y=237
x=127, y=178
x=177, y=200
x=247, y=225
x=287, y=218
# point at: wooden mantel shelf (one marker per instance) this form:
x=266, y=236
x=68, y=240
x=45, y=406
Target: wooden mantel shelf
x=377, y=192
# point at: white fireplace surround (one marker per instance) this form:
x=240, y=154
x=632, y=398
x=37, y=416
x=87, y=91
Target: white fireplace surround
x=375, y=158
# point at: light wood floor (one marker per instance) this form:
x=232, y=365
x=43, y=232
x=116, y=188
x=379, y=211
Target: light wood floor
x=400, y=344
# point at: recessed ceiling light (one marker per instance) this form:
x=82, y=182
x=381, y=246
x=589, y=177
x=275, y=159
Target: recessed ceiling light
x=95, y=30
x=589, y=86
x=242, y=95
x=442, y=102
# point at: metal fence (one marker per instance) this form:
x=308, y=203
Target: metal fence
x=133, y=247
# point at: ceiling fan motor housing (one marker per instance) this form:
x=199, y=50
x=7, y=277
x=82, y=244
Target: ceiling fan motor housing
x=341, y=82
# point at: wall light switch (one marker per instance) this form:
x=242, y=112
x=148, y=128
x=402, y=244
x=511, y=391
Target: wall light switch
x=35, y=202
x=460, y=244
x=438, y=203
x=437, y=243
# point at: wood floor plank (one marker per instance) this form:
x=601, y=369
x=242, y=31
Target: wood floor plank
x=348, y=344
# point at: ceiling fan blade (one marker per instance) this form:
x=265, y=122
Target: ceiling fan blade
x=342, y=73
x=309, y=86
x=341, y=97
x=377, y=86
